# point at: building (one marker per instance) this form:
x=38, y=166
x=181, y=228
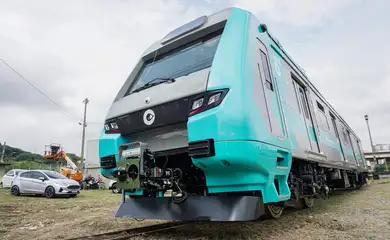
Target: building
x=381, y=153
x=92, y=161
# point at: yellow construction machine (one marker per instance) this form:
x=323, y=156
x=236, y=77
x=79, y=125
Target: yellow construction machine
x=54, y=151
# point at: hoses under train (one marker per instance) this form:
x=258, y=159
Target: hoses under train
x=179, y=197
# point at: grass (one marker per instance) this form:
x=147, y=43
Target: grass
x=29, y=217
x=354, y=214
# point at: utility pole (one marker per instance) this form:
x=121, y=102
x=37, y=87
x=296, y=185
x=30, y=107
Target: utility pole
x=86, y=101
x=2, y=153
x=372, y=145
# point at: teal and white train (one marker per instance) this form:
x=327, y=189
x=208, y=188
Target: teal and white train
x=217, y=122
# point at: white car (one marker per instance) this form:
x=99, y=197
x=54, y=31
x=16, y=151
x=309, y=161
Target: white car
x=43, y=182
x=113, y=185
x=7, y=179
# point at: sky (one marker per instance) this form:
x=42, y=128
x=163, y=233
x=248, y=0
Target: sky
x=71, y=50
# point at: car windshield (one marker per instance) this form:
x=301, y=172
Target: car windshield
x=17, y=173
x=55, y=175
x=183, y=61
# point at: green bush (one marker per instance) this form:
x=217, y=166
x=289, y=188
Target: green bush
x=379, y=168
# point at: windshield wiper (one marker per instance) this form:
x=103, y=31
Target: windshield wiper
x=152, y=83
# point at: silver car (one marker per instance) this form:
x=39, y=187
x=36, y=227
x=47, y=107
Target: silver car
x=42, y=182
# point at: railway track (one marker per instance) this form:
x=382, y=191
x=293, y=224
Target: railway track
x=133, y=232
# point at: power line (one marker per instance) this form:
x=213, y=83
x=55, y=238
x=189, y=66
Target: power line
x=32, y=85
x=99, y=123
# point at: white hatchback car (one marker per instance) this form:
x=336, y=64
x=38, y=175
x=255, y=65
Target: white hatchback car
x=7, y=179
x=113, y=185
x=43, y=182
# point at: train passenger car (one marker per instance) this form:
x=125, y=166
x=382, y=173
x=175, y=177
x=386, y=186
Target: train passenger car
x=217, y=122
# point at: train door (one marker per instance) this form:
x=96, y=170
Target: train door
x=304, y=107
x=336, y=132
x=269, y=88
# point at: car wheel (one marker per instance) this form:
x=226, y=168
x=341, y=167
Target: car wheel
x=1, y=185
x=115, y=189
x=15, y=190
x=50, y=192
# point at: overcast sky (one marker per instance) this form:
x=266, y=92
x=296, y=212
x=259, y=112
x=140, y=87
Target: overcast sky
x=76, y=49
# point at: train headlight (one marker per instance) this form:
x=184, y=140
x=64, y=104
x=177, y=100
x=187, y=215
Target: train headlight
x=197, y=104
x=111, y=127
x=214, y=98
x=114, y=125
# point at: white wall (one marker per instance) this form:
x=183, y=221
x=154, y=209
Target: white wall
x=92, y=153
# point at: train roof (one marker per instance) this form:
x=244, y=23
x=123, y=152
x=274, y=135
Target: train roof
x=221, y=16
x=212, y=19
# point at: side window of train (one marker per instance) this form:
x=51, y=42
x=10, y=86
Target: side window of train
x=265, y=66
x=304, y=102
x=322, y=117
x=345, y=136
x=334, y=126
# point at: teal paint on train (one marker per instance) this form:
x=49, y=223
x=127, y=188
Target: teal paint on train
x=247, y=166
x=248, y=156
x=109, y=145
x=227, y=121
x=246, y=152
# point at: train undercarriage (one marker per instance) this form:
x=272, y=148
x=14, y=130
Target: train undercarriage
x=308, y=181
x=162, y=183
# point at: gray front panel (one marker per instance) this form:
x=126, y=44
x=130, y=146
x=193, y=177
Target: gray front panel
x=183, y=86
x=166, y=138
x=209, y=208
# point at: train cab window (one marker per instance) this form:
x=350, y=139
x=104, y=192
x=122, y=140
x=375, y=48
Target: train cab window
x=267, y=73
x=322, y=117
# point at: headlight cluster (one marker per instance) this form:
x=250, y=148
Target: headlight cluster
x=197, y=104
x=206, y=101
x=111, y=127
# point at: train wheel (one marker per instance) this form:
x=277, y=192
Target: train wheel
x=273, y=211
x=307, y=202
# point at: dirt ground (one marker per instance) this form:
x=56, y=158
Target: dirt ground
x=359, y=214
x=29, y=217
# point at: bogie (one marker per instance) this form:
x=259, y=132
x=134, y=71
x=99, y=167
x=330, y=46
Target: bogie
x=273, y=211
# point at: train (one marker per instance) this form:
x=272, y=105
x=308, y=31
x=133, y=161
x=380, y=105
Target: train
x=217, y=122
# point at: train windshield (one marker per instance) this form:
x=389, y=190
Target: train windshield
x=185, y=60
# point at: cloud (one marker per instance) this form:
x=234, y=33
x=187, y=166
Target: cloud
x=71, y=51
x=295, y=13
x=77, y=49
